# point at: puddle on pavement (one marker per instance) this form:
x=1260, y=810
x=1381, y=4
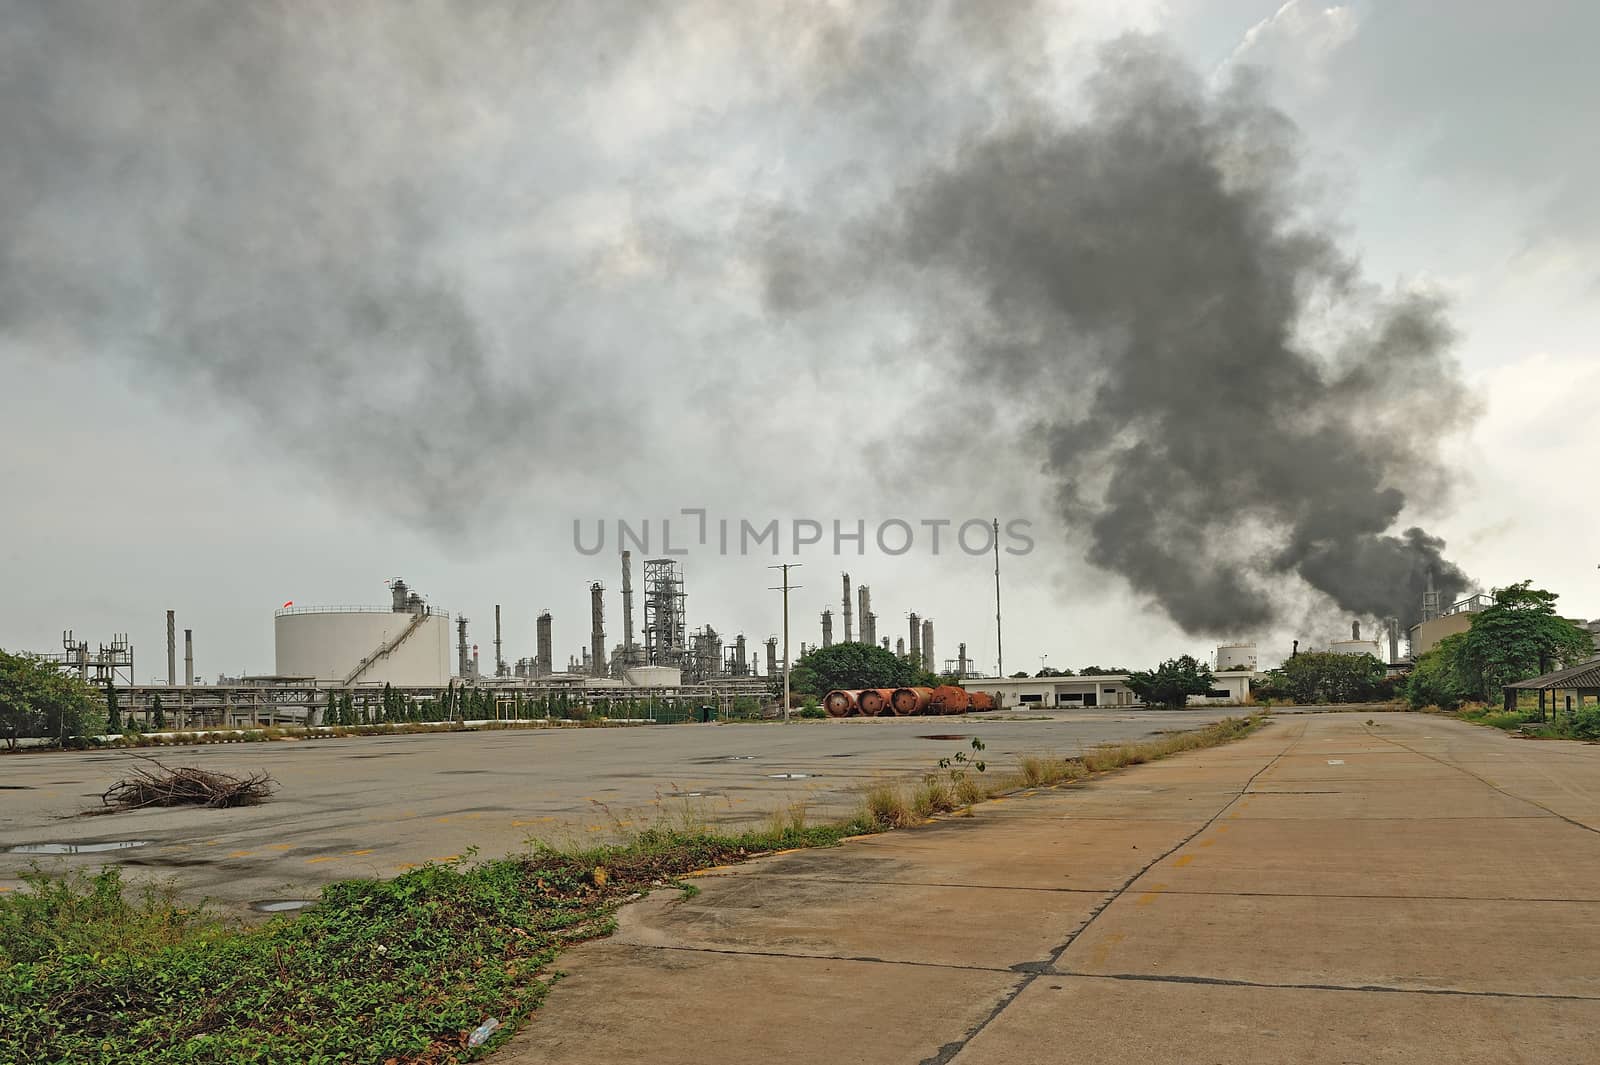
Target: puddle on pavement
x=281, y=905
x=77, y=848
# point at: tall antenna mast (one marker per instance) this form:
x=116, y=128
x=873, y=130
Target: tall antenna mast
x=999, y=648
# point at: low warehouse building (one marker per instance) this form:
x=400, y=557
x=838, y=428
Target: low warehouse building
x=1110, y=689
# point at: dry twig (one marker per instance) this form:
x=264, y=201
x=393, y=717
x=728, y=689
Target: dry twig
x=186, y=786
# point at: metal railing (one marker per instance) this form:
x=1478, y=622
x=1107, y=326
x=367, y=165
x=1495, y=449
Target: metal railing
x=427, y=611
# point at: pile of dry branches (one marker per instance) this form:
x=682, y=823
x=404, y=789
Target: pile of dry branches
x=186, y=786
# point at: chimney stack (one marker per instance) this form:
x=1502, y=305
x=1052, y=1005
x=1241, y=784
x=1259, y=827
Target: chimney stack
x=597, y=630
x=188, y=657
x=927, y=644
x=1355, y=630
x=915, y=643
x=827, y=628
x=864, y=614
x=172, y=651
x=463, y=666
x=772, y=655
x=628, y=658
x=500, y=669
x=542, y=664
x=961, y=663
x=849, y=631
x=900, y=647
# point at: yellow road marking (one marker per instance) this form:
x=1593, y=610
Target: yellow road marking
x=1207, y=842
x=324, y=858
x=241, y=854
x=1183, y=861
x=369, y=851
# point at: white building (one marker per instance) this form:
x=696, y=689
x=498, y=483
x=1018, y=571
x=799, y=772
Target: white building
x=1091, y=692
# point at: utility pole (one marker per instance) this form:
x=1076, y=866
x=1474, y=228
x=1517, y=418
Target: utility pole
x=786, y=567
x=999, y=649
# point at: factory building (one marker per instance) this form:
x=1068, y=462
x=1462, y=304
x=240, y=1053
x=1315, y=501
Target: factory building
x=406, y=644
x=1012, y=693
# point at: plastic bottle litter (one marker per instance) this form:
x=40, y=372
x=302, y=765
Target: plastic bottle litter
x=480, y=1035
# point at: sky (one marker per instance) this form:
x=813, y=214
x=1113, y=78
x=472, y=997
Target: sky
x=296, y=300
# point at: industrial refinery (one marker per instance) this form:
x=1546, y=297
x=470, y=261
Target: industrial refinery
x=414, y=647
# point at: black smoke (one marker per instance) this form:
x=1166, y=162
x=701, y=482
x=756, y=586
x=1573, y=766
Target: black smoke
x=1225, y=404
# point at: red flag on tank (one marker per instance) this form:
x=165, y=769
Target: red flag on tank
x=289, y=603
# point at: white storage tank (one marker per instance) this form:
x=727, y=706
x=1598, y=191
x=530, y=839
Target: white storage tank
x=1236, y=656
x=364, y=645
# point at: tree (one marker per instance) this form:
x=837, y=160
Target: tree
x=1052, y=671
x=1326, y=677
x=854, y=665
x=1519, y=637
x=113, y=712
x=158, y=715
x=1102, y=671
x=39, y=700
x=1439, y=677
x=1172, y=682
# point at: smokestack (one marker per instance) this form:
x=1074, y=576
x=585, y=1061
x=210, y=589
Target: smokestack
x=542, y=664
x=1394, y=639
x=900, y=647
x=915, y=643
x=188, y=657
x=1355, y=630
x=927, y=644
x=1296, y=649
x=961, y=663
x=462, y=664
x=172, y=651
x=1430, y=600
x=499, y=659
x=827, y=628
x=869, y=626
x=628, y=658
x=864, y=614
x=772, y=654
x=597, y=630
x=475, y=673
x=849, y=631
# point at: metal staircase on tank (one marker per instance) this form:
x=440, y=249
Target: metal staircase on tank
x=386, y=648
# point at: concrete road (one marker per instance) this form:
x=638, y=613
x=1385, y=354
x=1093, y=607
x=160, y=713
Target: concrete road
x=374, y=806
x=1325, y=892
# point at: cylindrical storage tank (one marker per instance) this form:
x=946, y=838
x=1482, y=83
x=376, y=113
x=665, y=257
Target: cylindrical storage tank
x=1236, y=656
x=871, y=701
x=353, y=645
x=948, y=699
x=840, y=702
x=907, y=701
x=982, y=701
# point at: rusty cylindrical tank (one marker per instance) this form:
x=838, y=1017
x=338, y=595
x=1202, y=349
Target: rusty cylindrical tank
x=872, y=701
x=982, y=701
x=910, y=700
x=840, y=703
x=949, y=699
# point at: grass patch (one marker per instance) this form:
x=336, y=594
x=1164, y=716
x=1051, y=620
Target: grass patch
x=396, y=970
x=889, y=805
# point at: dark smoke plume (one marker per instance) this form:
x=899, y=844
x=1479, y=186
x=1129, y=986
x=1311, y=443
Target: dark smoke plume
x=1224, y=401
